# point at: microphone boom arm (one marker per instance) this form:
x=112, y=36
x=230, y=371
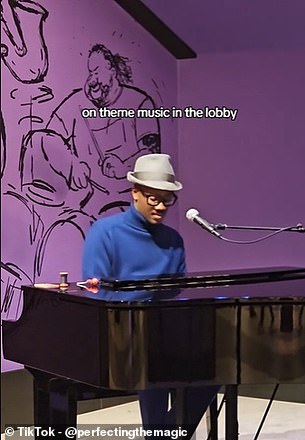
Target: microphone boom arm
x=223, y=226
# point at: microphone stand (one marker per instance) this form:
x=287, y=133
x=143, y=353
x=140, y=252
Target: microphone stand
x=223, y=226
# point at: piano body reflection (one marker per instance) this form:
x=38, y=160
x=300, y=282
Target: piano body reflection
x=236, y=327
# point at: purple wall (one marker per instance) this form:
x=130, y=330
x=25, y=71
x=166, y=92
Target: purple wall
x=250, y=171
x=53, y=159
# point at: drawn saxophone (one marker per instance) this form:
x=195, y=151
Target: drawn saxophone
x=25, y=52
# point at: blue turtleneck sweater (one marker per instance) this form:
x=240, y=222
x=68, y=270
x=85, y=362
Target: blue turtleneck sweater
x=126, y=246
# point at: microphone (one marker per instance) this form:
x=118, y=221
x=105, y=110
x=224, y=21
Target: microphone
x=193, y=216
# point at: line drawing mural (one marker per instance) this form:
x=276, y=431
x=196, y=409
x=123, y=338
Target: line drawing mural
x=73, y=170
x=95, y=154
x=23, y=48
x=25, y=54
x=79, y=165
x=3, y=144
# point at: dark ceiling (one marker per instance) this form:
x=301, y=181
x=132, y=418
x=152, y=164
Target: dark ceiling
x=233, y=25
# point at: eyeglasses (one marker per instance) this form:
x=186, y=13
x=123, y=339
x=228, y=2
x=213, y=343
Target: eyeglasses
x=153, y=200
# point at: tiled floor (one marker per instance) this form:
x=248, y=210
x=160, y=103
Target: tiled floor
x=286, y=421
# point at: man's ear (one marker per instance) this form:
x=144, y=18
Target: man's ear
x=134, y=193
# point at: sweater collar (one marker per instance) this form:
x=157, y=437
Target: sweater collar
x=138, y=220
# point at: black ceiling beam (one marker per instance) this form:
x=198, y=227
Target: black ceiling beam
x=152, y=23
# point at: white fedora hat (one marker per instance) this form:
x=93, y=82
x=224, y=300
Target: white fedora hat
x=155, y=171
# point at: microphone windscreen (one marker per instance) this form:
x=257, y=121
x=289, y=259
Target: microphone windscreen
x=191, y=214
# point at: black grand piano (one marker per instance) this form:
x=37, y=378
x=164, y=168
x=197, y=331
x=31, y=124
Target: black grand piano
x=230, y=327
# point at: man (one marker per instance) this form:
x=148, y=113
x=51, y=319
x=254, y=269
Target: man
x=137, y=243
x=110, y=242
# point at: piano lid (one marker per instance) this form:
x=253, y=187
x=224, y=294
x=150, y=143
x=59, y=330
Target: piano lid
x=205, y=279
x=270, y=284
